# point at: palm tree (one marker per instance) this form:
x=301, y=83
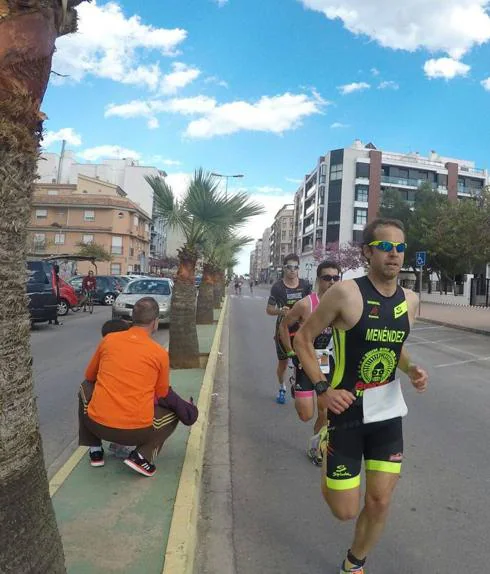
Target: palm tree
x=29, y=538
x=218, y=251
x=201, y=211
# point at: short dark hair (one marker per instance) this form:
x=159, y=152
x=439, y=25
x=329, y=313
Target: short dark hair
x=114, y=326
x=145, y=311
x=291, y=257
x=328, y=265
x=368, y=235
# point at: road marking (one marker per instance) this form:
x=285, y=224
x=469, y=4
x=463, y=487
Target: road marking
x=423, y=329
x=425, y=341
x=65, y=471
x=461, y=362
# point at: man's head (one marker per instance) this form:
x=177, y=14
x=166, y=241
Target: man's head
x=146, y=313
x=291, y=266
x=114, y=326
x=383, y=245
x=328, y=273
x=91, y=273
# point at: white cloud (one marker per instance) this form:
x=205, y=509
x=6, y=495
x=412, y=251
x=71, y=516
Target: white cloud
x=181, y=76
x=171, y=162
x=268, y=190
x=110, y=45
x=354, y=87
x=275, y=114
x=108, y=152
x=486, y=84
x=375, y=71
x=217, y=81
x=293, y=180
x=388, y=85
x=179, y=182
x=338, y=125
x=451, y=26
x=153, y=123
x=445, y=68
x=68, y=134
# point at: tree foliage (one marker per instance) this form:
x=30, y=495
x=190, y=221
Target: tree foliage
x=347, y=255
x=94, y=250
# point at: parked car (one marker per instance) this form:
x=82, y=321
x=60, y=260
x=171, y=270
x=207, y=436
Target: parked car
x=41, y=292
x=108, y=287
x=160, y=289
x=68, y=299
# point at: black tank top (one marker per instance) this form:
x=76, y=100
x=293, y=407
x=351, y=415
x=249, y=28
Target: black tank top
x=367, y=355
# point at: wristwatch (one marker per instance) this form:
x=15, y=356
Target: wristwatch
x=321, y=387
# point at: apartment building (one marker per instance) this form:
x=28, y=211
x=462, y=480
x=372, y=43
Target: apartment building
x=281, y=237
x=64, y=216
x=127, y=173
x=266, y=255
x=253, y=264
x=344, y=191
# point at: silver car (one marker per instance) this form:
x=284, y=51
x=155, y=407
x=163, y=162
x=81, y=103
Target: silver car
x=159, y=289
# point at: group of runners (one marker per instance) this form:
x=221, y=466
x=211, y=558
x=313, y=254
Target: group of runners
x=345, y=340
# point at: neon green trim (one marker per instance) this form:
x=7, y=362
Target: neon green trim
x=344, y=484
x=384, y=466
x=339, y=348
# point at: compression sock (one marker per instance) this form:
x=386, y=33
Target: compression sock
x=95, y=449
x=351, y=562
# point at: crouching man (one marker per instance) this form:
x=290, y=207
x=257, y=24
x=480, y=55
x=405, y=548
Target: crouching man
x=118, y=402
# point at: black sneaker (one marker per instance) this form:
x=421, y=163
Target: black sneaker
x=96, y=457
x=139, y=463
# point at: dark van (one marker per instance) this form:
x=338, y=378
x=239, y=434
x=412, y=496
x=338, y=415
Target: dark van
x=42, y=296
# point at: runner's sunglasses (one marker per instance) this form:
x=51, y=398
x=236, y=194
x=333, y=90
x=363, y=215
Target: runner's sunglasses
x=387, y=246
x=330, y=278
x=292, y=267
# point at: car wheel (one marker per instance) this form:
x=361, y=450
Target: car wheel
x=63, y=307
x=109, y=298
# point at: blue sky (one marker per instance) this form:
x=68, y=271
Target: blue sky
x=264, y=87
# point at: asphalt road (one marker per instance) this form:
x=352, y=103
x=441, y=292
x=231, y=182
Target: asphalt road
x=439, y=518
x=60, y=356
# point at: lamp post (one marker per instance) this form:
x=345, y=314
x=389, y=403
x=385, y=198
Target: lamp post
x=227, y=177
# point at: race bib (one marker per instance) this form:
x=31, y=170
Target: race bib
x=323, y=356
x=383, y=403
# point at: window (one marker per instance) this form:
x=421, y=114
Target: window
x=147, y=228
x=336, y=172
x=362, y=192
x=333, y=213
x=41, y=213
x=131, y=251
x=116, y=247
x=323, y=169
x=283, y=235
x=149, y=287
x=87, y=239
x=115, y=269
x=59, y=239
x=357, y=236
x=334, y=193
x=89, y=215
x=333, y=233
x=135, y=221
x=362, y=170
x=360, y=216
x=39, y=237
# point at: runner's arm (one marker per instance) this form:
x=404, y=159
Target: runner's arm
x=162, y=386
x=418, y=376
x=294, y=315
x=273, y=308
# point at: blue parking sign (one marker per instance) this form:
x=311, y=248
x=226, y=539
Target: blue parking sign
x=421, y=258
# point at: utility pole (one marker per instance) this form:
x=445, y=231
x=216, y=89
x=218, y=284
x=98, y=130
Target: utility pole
x=60, y=163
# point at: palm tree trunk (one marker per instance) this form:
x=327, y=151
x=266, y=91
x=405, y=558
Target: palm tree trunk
x=183, y=342
x=29, y=538
x=205, y=299
x=219, y=288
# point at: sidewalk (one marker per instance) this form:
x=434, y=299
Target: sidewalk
x=112, y=520
x=475, y=319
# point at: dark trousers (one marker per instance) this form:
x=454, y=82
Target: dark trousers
x=148, y=441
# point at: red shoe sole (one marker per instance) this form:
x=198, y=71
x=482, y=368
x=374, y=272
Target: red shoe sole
x=98, y=463
x=138, y=468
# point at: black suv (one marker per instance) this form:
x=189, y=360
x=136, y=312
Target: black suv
x=42, y=296
x=108, y=287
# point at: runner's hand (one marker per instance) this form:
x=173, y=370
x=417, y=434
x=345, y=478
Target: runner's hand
x=419, y=378
x=336, y=401
x=283, y=311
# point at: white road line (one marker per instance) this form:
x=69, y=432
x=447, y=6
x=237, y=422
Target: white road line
x=461, y=362
x=425, y=328
x=451, y=348
x=425, y=341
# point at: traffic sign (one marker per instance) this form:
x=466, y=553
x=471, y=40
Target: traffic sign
x=421, y=258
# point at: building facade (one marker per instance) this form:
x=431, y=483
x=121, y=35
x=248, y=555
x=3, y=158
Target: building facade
x=281, y=238
x=344, y=191
x=126, y=173
x=66, y=216
x=266, y=256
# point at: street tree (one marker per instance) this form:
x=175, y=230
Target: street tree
x=95, y=251
x=347, y=255
x=29, y=538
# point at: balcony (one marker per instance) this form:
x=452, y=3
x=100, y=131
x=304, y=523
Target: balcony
x=469, y=191
x=407, y=182
x=311, y=191
x=310, y=209
x=309, y=228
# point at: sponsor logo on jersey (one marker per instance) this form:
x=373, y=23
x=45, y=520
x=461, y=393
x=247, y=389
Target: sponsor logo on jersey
x=400, y=310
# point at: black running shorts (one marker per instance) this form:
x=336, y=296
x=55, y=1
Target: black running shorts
x=381, y=445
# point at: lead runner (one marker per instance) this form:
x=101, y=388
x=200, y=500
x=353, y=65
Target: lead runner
x=371, y=318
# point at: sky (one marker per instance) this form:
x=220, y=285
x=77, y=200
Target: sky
x=264, y=87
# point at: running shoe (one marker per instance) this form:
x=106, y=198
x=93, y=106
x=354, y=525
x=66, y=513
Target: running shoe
x=323, y=441
x=354, y=570
x=96, y=457
x=313, y=450
x=138, y=462
x=281, y=396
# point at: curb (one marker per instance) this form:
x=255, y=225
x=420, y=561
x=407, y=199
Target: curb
x=182, y=540
x=453, y=326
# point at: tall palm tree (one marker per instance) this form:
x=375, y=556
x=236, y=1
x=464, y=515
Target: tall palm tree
x=218, y=250
x=202, y=210
x=29, y=538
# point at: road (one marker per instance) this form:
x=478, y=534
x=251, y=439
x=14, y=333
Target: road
x=60, y=356
x=280, y=523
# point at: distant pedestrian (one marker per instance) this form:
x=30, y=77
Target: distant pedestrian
x=56, y=285
x=251, y=284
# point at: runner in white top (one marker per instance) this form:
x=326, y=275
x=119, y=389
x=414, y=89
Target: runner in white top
x=328, y=273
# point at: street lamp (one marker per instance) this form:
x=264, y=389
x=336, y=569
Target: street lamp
x=227, y=177
x=308, y=267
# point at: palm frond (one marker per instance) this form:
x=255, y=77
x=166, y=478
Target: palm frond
x=166, y=205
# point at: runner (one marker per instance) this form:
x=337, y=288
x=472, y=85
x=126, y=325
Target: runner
x=371, y=317
x=284, y=294
x=327, y=273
